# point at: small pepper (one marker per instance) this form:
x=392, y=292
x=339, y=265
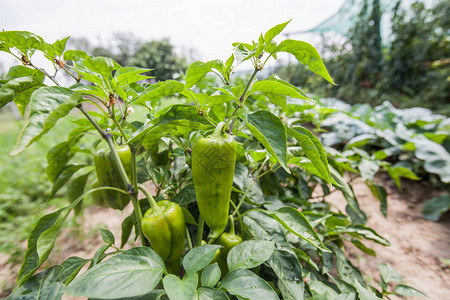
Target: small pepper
x=228, y=241
x=164, y=226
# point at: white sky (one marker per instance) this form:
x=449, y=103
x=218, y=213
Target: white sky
x=208, y=26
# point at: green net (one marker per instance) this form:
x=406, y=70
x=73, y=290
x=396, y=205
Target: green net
x=347, y=16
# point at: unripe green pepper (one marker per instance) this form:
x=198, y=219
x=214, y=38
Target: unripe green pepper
x=97, y=197
x=213, y=161
x=228, y=241
x=108, y=175
x=164, y=226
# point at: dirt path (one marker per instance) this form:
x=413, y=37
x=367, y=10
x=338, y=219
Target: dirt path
x=416, y=244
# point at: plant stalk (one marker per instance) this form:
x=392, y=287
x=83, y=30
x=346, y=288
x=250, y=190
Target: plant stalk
x=201, y=225
x=242, y=98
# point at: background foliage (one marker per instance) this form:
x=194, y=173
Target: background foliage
x=411, y=69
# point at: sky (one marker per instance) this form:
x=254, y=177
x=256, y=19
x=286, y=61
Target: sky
x=207, y=26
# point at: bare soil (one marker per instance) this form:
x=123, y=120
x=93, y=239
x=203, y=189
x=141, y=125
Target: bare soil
x=416, y=252
x=417, y=245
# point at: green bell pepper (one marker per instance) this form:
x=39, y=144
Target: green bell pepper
x=213, y=161
x=108, y=175
x=164, y=226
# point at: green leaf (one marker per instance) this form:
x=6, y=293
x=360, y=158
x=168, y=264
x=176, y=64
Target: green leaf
x=22, y=71
x=279, y=87
x=48, y=105
x=436, y=157
x=41, y=241
x=294, y=221
x=249, y=254
x=363, y=293
x=76, y=188
x=398, y=171
x=57, y=158
x=26, y=42
x=307, y=55
x=259, y=49
x=359, y=230
x=45, y=285
x=178, y=289
x=313, y=149
x=274, y=31
x=99, y=255
x=269, y=130
x=288, y=270
x=178, y=115
x=186, y=196
x=361, y=140
x=107, y=236
x=435, y=207
x=23, y=99
x=199, y=257
x=347, y=272
x=63, y=177
x=15, y=90
x=130, y=75
x=197, y=70
x=364, y=248
x=320, y=290
x=380, y=193
x=303, y=256
x=101, y=65
x=132, y=273
x=259, y=225
x=207, y=293
x=244, y=181
x=155, y=294
x=75, y=55
x=127, y=227
x=60, y=46
x=247, y=285
x=72, y=267
x=243, y=52
x=165, y=88
x=52, y=51
x=388, y=274
x=188, y=217
x=211, y=275
x=356, y=214
x=60, y=154
x=407, y=291
x=219, y=99
x=368, y=169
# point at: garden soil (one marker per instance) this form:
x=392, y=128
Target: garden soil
x=418, y=248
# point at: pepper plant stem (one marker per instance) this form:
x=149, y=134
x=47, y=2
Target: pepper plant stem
x=130, y=189
x=201, y=225
x=133, y=167
x=188, y=235
x=113, y=117
x=242, y=98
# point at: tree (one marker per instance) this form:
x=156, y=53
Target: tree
x=158, y=53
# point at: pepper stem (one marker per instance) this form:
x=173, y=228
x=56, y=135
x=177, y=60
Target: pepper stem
x=232, y=225
x=201, y=224
x=218, y=131
x=155, y=207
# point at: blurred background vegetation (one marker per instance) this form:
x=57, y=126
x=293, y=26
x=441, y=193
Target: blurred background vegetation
x=411, y=69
